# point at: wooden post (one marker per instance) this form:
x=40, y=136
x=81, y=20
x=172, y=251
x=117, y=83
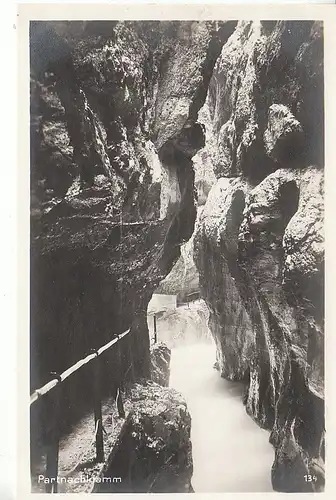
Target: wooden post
x=155, y=332
x=97, y=408
x=120, y=404
x=52, y=435
x=120, y=367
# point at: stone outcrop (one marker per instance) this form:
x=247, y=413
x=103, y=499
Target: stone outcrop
x=160, y=363
x=267, y=77
x=154, y=455
x=283, y=134
x=259, y=245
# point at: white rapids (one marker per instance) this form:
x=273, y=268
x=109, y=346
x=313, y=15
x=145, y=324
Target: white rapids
x=230, y=452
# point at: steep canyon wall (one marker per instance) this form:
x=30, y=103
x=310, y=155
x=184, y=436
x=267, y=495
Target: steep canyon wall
x=113, y=130
x=259, y=242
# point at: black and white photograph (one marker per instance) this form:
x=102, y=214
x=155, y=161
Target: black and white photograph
x=176, y=255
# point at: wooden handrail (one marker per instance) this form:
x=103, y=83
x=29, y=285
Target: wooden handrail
x=50, y=385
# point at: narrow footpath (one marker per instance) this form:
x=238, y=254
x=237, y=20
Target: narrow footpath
x=230, y=452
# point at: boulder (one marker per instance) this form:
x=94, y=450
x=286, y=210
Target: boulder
x=154, y=454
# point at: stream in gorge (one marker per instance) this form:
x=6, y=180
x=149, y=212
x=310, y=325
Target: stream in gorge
x=177, y=185
x=230, y=452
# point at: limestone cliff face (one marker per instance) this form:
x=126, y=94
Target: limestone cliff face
x=113, y=131
x=259, y=242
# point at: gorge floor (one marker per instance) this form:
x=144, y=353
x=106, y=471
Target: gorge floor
x=230, y=452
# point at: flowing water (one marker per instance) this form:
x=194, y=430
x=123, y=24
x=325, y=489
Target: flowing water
x=230, y=452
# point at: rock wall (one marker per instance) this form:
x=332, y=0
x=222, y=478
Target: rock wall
x=113, y=131
x=259, y=245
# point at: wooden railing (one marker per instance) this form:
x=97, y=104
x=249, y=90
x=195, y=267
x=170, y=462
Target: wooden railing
x=55, y=384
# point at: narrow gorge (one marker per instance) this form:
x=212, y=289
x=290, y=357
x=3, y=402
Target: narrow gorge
x=177, y=191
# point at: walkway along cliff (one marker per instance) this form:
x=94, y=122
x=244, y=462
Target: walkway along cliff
x=134, y=124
